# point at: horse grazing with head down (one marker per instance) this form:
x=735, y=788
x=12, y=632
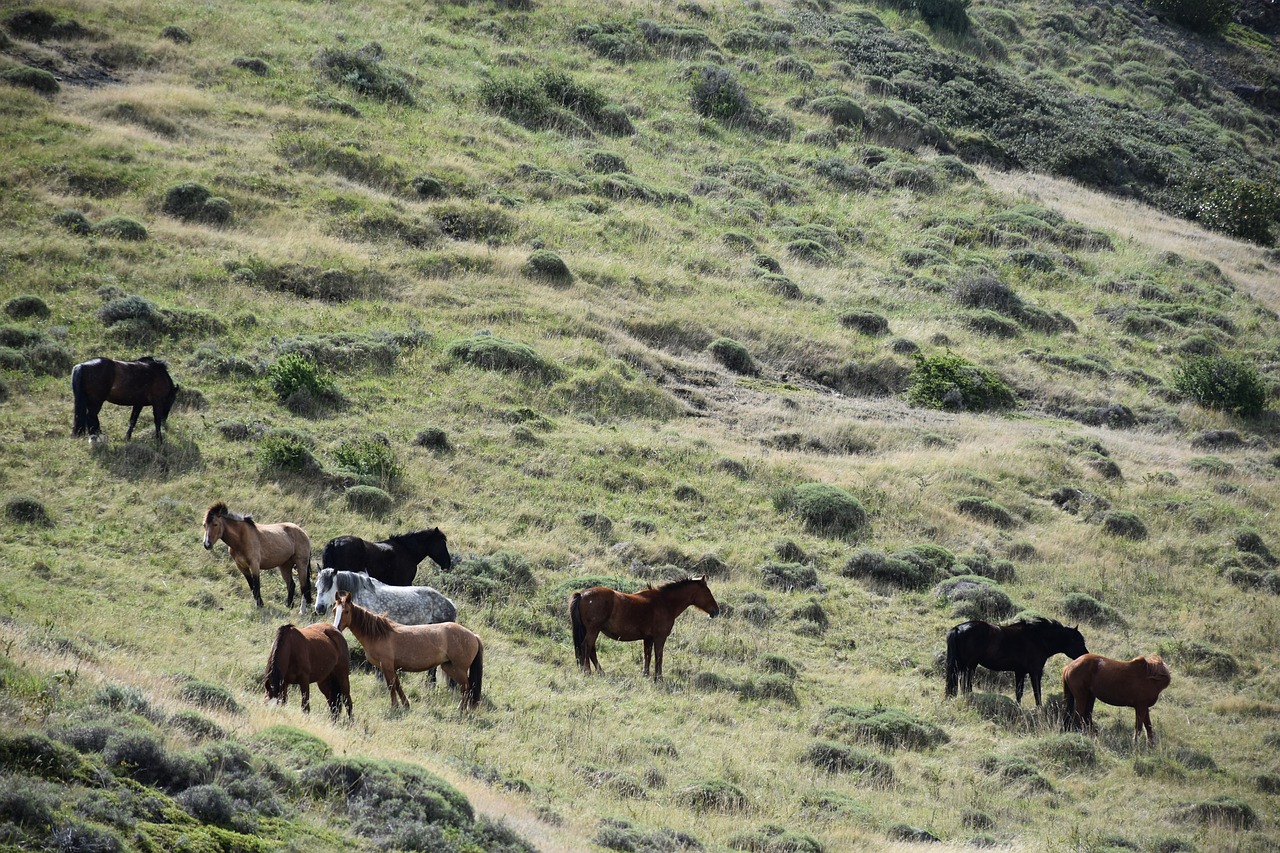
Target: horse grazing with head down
x=391, y=647
x=1020, y=647
x=316, y=654
x=394, y=560
x=255, y=547
x=647, y=615
x=145, y=382
x=1135, y=684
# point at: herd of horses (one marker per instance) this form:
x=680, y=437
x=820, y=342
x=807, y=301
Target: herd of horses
x=412, y=629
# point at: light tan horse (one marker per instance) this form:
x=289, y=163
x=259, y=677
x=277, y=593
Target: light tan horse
x=391, y=646
x=1132, y=684
x=255, y=547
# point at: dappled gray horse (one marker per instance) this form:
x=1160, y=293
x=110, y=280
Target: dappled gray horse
x=408, y=605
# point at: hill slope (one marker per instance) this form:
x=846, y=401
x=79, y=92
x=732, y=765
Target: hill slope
x=594, y=288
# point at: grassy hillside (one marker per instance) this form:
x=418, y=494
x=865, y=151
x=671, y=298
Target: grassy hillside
x=594, y=288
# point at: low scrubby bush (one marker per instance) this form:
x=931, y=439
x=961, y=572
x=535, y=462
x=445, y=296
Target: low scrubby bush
x=733, y=355
x=878, y=567
x=712, y=795
x=1221, y=382
x=121, y=228
x=364, y=71
x=369, y=458
x=35, y=79
x=25, y=307
x=493, y=353
x=1124, y=524
x=985, y=509
x=827, y=510
x=483, y=578
x=297, y=380
x=286, y=451
x=866, y=322
x=976, y=597
x=193, y=202
x=27, y=510
x=208, y=695
x=548, y=265
x=1085, y=608
x=369, y=500
x=788, y=576
x=950, y=382
x=890, y=728
x=838, y=758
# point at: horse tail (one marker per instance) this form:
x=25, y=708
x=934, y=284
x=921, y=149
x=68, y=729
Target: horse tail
x=277, y=661
x=475, y=675
x=80, y=404
x=1068, y=703
x=953, y=662
x=579, y=629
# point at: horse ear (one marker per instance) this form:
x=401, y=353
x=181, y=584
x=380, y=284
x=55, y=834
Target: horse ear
x=249, y=518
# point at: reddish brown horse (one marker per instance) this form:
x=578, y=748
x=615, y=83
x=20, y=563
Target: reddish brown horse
x=255, y=547
x=1132, y=684
x=391, y=646
x=316, y=654
x=646, y=615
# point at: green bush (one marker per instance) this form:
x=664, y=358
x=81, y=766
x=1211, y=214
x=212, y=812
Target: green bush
x=433, y=438
x=890, y=728
x=1124, y=524
x=25, y=307
x=717, y=94
x=35, y=79
x=772, y=837
x=369, y=458
x=286, y=450
x=985, y=509
x=712, y=795
x=212, y=696
x=176, y=34
x=880, y=568
x=976, y=597
x=948, y=382
x=27, y=510
x=829, y=510
x=1204, y=16
x=733, y=355
x=74, y=221
x=1086, y=608
x=363, y=71
x=547, y=265
x=788, y=576
x=842, y=110
x=1220, y=382
x=866, y=322
x=1245, y=209
x=369, y=500
x=837, y=758
x=121, y=228
x=1220, y=810
x=493, y=353
x=194, y=202
x=495, y=577
x=473, y=221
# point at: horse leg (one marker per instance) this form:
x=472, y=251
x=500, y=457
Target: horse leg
x=326, y=687
x=589, y=652
x=306, y=698
x=133, y=421
x=1019, y=682
x=95, y=425
x=254, y=584
x=648, y=653
x=1085, y=711
x=393, y=686
x=1036, y=676
x=1142, y=719
x=658, y=644
x=286, y=572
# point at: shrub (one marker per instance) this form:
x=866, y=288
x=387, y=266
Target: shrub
x=1086, y=608
x=194, y=202
x=1200, y=659
x=829, y=510
x=1015, y=770
x=127, y=308
x=369, y=458
x=837, y=758
x=208, y=695
x=493, y=353
x=985, y=509
x=470, y=221
x=1245, y=209
x=1220, y=810
x=777, y=664
x=843, y=111
x=1221, y=382
x=74, y=221
x=948, y=382
x=293, y=373
x=363, y=71
x=944, y=14
x=714, y=795
x=433, y=438
x=789, y=576
x=207, y=804
x=27, y=510
x=121, y=228
x=74, y=837
x=866, y=322
x=369, y=500
x=292, y=746
x=546, y=264
x=286, y=450
x=717, y=94
x=891, y=728
x=482, y=578
x=892, y=571
x=26, y=306
x=770, y=838
x=1068, y=751
x=976, y=598
x=733, y=355
x=1124, y=524
x=198, y=726
x=36, y=79
x=176, y=34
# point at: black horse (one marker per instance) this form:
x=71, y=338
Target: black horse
x=1020, y=647
x=140, y=383
x=393, y=561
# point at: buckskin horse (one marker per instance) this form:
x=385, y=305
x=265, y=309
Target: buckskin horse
x=1135, y=684
x=255, y=547
x=1020, y=647
x=647, y=615
x=141, y=383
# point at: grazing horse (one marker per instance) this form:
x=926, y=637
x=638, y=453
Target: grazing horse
x=255, y=547
x=1020, y=647
x=316, y=654
x=140, y=383
x=391, y=646
x=393, y=560
x=1132, y=684
x=646, y=615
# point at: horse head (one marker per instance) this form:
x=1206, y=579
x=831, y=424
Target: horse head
x=703, y=599
x=342, y=610
x=1073, y=642
x=213, y=523
x=326, y=590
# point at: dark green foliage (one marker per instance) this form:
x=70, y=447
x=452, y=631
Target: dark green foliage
x=1086, y=608
x=502, y=574
x=1196, y=658
x=1014, y=770
x=212, y=696
x=474, y=221
x=35, y=79
x=493, y=353
x=433, y=438
x=1221, y=382
x=31, y=24
x=127, y=308
x=27, y=510
x=606, y=163
x=621, y=835
x=733, y=355
x=363, y=70
x=252, y=64
x=369, y=500
x=74, y=221
x=778, y=665
x=948, y=381
x=890, y=728
x=879, y=567
x=25, y=307
x=1243, y=208
x=286, y=451
x=842, y=110
x=1124, y=524
x=27, y=804
x=121, y=228
x=292, y=746
x=194, y=202
x=1068, y=751
x=37, y=754
x=717, y=94
x=866, y=322
x=976, y=597
x=788, y=576
x=612, y=40
x=991, y=323
x=197, y=726
x=207, y=804
x=75, y=837
x=771, y=838
x=176, y=34
x=1204, y=16
x=548, y=265
x=944, y=14
x=1224, y=810
x=985, y=509
x=294, y=376
x=983, y=565
x=828, y=510
x=995, y=707
x=370, y=459
x=839, y=758
x=674, y=38
x=552, y=100
x=712, y=795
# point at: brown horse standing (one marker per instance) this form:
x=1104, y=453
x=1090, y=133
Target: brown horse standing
x=646, y=615
x=316, y=654
x=1132, y=684
x=391, y=646
x=141, y=383
x=255, y=547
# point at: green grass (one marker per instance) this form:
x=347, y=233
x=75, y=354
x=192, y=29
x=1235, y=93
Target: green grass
x=378, y=338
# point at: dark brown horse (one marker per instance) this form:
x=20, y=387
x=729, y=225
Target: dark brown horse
x=316, y=654
x=646, y=615
x=1020, y=647
x=393, y=561
x=1135, y=684
x=391, y=647
x=255, y=547
x=140, y=383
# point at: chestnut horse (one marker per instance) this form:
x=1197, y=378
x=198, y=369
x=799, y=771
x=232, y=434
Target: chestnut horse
x=140, y=383
x=316, y=654
x=255, y=547
x=1020, y=647
x=646, y=615
x=1132, y=684
x=391, y=646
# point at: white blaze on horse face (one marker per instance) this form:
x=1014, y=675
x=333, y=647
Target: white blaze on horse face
x=207, y=543
x=337, y=615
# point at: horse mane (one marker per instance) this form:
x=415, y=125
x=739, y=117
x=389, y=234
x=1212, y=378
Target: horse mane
x=220, y=509
x=1037, y=622
x=400, y=537
x=676, y=584
x=1156, y=668
x=369, y=622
